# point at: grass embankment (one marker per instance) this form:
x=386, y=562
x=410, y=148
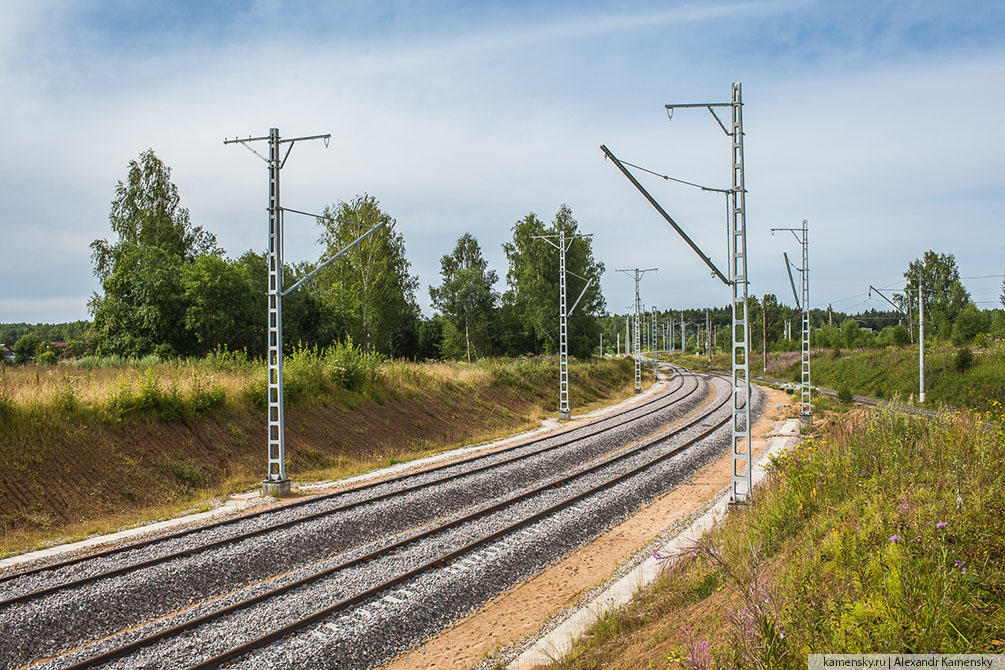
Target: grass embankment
x=91, y=448
x=881, y=536
x=891, y=373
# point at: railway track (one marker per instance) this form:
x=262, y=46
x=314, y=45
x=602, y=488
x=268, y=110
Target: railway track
x=377, y=492
x=399, y=558
x=857, y=399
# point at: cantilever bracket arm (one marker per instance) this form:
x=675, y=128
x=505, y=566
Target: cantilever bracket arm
x=581, y=294
x=330, y=260
x=873, y=288
x=788, y=268
x=673, y=224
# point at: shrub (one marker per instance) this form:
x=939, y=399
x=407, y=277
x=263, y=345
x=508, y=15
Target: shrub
x=206, y=397
x=845, y=396
x=349, y=366
x=65, y=398
x=222, y=358
x=964, y=359
x=148, y=398
x=48, y=358
x=189, y=474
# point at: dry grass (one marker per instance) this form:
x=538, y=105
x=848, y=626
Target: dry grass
x=138, y=459
x=43, y=384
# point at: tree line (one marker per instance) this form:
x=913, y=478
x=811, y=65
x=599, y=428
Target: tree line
x=169, y=290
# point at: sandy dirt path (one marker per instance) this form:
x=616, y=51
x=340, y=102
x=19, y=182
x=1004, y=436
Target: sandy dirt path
x=523, y=609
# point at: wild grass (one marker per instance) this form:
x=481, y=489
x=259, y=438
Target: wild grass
x=45, y=418
x=880, y=537
x=890, y=372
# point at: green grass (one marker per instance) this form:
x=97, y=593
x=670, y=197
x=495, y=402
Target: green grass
x=882, y=537
x=893, y=373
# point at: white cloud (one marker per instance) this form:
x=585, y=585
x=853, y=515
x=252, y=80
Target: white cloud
x=470, y=132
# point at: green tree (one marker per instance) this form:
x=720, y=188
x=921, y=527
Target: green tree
x=221, y=304
x=307, y=319
x=371, y=284
x=146, y=212
x=466, y=297
x=143, y=308
x=431, y=338
x=25, y=348
x=969, y=322
x=533, y=284
x=944, y=295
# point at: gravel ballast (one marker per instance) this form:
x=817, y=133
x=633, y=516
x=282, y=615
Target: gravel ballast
x=389, y=624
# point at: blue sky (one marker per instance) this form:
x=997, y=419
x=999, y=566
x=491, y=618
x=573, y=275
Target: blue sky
x=878, y=122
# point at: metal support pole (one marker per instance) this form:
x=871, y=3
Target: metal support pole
x=708, y=335
x=637, y=328
x=737, y=280
x=564, y=414
x=742, y=484
x=638, y=338
x=806, y=407
x=802, y=235
x=276, y=482
x=921, y=343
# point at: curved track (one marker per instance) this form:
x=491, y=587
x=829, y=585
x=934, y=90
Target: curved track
x=423, y=525
x=374, y=492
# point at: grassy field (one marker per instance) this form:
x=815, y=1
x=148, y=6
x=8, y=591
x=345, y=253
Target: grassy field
x=892, y=373
x=89, y=448
x=878, y=535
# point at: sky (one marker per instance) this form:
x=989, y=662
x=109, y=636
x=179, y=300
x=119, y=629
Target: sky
x=878, y=122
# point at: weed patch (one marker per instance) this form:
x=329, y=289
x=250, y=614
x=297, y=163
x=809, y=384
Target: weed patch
x=880, y=537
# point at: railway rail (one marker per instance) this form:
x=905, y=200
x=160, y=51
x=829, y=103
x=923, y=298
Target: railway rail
x=857, y=399
x=567, y=436
x=493, y=522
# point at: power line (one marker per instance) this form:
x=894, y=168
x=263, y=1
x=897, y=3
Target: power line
x=679, y=181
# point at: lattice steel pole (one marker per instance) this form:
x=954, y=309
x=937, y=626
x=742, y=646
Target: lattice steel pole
x=564, y=413
x=737, y=280
x=803, y=302
x=742, y=484
x=806, y=408
x=637, y=346
x=655, y=344
x=921, y=342
x=276, y=482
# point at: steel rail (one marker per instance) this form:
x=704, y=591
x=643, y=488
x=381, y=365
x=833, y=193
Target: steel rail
x=319, y=497
x=858, y=399
x=191, y=551
x=126, y=649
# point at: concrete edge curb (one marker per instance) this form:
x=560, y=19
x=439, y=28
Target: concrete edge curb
x=237, y=502
x=558, y=642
